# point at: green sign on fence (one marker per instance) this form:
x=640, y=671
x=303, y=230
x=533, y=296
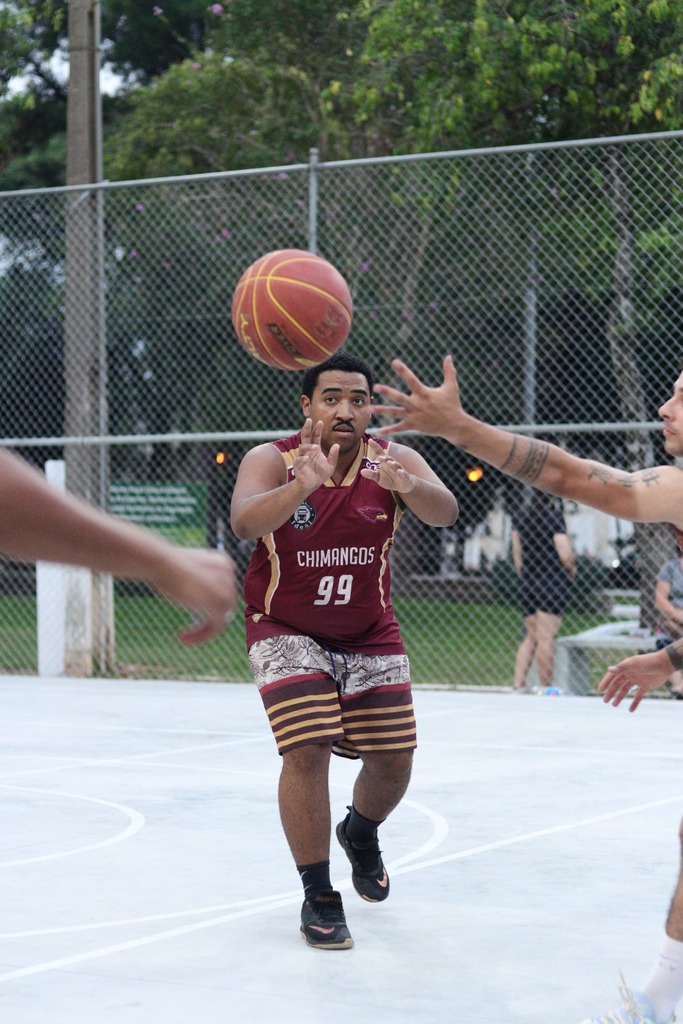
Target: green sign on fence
x=176, y=510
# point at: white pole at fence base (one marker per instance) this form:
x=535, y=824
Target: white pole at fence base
x=54, y=583
x=50, y=592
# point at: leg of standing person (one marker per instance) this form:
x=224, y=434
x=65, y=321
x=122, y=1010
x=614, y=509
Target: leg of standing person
x=363, y=711
x=525, y=653
x=664, y=987
x=304, y=802
x=547, y=626
x=382, y=782
x=379, y=724
x=380, y=785
x=663, y=990
x=305, y=716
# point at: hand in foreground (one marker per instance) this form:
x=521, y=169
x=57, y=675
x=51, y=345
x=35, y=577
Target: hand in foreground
x=644, y=671
x=390, y=474
x=204, y=583
x=429, y=410
x=311, y=466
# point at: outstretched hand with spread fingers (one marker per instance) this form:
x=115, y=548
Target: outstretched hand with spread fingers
x=642, y=672
x=429, y=410
x=389, y=474
x=311, y=466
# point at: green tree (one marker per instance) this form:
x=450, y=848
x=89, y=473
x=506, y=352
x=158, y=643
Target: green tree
x=15, y=44
x=233, y=114
x=33, y=116
x=319, y=37
x=482, y=72
x=323, y=41
x=141, y=41
x=267, y=87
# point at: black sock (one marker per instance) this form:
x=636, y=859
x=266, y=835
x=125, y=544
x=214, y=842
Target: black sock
x=360, y=829
x=315, y=878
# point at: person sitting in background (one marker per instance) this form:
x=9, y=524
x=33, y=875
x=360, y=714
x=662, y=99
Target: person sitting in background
x=669, y=601
x=545, y=565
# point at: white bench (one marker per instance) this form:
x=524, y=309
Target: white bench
x=622, y=604
x=572, y=658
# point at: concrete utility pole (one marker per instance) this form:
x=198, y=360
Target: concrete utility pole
x=89, y=610
x=84, y=119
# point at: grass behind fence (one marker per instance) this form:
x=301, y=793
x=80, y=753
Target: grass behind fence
x=467, y=644
x=448, y=644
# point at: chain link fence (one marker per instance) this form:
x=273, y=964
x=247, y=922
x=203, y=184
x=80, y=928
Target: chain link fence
x=553, y=273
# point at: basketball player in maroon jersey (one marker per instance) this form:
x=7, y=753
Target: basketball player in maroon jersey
x=324, y=644
x=648, y=496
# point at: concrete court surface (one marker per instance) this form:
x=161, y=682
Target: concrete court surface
x=145, y=877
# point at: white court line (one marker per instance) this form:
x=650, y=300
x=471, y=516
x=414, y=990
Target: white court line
x=136, y=823
x=286, y=900
x=480, y=748
x=121, y=947
x=532, y=748
x=227, y=770
x=257, y=903
x=442, y=712
x=439, y=833
x=88, y=726
x=94, y=762
x=540, y=833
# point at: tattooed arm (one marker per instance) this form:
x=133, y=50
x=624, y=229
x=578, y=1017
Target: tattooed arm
x=674, y=653
x=645, y=672
x=651, y=495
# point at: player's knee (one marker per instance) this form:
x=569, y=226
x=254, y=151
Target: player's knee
x=309, y=757
x=394, y=764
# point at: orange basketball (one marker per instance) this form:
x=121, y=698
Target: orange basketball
x=292, y=309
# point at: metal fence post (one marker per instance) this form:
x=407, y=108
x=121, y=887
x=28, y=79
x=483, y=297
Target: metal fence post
x=313, y=201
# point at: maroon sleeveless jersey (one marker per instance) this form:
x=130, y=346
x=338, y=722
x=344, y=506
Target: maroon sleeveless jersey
x=325, y=572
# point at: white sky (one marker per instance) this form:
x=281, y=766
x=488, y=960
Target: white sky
x=109, y=82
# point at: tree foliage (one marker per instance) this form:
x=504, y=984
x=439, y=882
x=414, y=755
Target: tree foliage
x=367, y=77
x=136, y=42
x=142, y=41
x=33, y=118
x=14, y=42
x=263, y=91
x=234, y=114
x=479, y=72
x=139, y=40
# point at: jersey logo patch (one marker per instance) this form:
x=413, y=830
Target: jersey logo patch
x=375, y=515
x=304, y=516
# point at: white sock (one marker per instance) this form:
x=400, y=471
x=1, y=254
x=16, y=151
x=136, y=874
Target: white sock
x=664, y=987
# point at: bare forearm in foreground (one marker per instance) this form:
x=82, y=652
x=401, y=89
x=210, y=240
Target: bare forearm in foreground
x=40, y=523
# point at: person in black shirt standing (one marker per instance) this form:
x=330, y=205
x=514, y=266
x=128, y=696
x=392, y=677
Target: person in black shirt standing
x=545, y=565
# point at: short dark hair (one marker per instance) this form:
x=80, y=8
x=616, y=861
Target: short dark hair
x=339, y=361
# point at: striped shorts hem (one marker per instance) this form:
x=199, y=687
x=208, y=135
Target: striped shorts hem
x=353, y=701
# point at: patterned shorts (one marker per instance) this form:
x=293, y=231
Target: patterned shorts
x=316, y=694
